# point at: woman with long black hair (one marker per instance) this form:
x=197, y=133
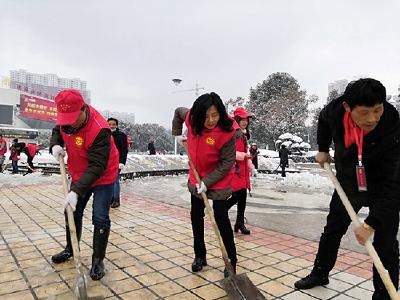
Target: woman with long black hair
x=211, y=147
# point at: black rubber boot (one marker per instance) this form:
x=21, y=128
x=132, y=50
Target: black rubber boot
x=226, y=273
x=67, y=253
x=311, y=280
x=198, y=264
x=242, y=229
x=100, y=240
x=115, y=203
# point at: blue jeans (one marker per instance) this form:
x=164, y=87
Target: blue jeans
x=102, y=195
x=14, y=166
x=117, y=187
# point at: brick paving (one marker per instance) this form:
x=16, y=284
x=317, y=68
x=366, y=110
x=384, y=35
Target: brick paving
x=150, y=253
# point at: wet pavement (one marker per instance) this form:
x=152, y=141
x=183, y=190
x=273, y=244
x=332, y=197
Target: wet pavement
x=150, y=252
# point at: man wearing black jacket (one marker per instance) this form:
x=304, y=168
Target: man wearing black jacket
x=121, y=141
x=365, y=130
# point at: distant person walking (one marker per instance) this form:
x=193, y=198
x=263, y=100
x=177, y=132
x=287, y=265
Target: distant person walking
x=284, y=159
x=254, y=154
x=121, y=142
x=151, y=148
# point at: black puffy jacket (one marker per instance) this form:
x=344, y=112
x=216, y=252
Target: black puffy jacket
x=381, y=158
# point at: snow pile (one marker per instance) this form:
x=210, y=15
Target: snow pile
x=44, y=157
x=272, y=164
x=311, y=183
x=30, y=179
x=268, y=153
x=136, y=162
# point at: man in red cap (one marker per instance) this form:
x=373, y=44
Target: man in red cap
x=93, y=165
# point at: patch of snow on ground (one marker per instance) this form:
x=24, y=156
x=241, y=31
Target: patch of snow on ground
x=30, y=179
x=307, y=182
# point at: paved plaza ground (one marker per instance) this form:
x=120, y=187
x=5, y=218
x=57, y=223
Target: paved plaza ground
x=150, y=253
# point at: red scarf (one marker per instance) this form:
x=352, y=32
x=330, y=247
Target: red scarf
x=349, y=127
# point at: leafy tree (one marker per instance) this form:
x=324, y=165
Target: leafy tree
x=313, y=128
x=141, y=134
x=232, y=104
x=279, y=106
x=332, y=95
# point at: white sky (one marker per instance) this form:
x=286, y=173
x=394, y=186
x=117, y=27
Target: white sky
x=128, y=51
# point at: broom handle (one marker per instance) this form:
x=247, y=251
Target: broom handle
x=370, y=248
x=211, y=216
x=70, y=213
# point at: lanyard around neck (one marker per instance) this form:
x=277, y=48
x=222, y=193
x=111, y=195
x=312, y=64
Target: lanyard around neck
x=359, y=142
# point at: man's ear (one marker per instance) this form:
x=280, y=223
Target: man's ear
x=346, y=106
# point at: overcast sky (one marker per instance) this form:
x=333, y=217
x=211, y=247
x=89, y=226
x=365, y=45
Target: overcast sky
x=129, y=51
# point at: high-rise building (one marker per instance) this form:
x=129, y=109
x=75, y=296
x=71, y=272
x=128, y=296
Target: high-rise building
x=45, y=85
x=338, y=85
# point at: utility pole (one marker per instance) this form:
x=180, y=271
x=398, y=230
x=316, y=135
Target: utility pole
x=196, y=91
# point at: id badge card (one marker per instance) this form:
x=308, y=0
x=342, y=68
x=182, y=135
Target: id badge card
x=361, y=179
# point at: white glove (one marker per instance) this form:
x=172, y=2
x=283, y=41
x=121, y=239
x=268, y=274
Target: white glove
x=121, y=166
x=56, y=151
x=253, y=170
x=72, y=199
x=202, y=188
x=181, y=139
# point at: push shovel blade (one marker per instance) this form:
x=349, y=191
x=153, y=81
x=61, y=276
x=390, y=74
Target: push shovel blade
x=240, y=287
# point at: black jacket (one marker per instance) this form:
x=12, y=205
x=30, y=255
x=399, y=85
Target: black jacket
x=121, y=141
x=151, y=148
x=381, y=158
x=284, y=156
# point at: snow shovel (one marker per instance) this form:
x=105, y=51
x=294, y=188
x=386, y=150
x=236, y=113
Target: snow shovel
x=370, y=248
x=81, y=289
x=238, y=287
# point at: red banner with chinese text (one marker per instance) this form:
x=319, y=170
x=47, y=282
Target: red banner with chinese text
x=35, y=108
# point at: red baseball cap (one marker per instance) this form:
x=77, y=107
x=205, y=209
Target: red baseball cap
x=241, y=113
x=69, y=104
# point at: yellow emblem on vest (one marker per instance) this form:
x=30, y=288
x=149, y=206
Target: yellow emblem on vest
x=79, y=141
x=210, y=140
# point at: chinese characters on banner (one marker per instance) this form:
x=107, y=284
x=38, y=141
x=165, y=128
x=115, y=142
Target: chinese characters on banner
x=36, y=108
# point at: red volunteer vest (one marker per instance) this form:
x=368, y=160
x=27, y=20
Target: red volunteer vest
x=204, y=152
x=32, y=149
x=79, y=144
x=4, y=150
x=241, y=180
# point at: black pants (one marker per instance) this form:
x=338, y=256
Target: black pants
x=385, y=240
x=283, y=166
x=222, y=220
x=238, y=197
x=30, y=163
